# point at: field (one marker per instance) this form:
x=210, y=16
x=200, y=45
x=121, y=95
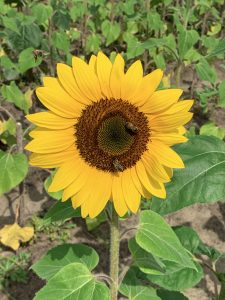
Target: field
x=182, y=256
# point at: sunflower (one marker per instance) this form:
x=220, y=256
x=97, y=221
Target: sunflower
x=108, y=133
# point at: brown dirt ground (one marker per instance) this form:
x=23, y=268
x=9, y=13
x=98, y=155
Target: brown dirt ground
x=207, y=220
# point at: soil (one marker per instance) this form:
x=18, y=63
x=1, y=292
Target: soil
x=207, y=220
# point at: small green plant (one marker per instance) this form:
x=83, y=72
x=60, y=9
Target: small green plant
x=14, y=268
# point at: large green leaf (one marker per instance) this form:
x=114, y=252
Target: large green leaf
x=179, y=279
x=154, y=235
x=134, y=289
x=188, y=237
x=202, y=180
x=62, y=255
x=222, y=93
x=13, y=168
x=74, y=281
x=145, y=260
x=61, y=211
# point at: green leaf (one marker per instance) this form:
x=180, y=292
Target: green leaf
x=219, y=49
x=63, y=255
x=211, y=129
x=47, y=183
x=134, y=289
x=170, y=295
x=14, y=95
x=205, y=71
x=211, y=252
x=202, y=180
x=61, y=41
x=145, y=260
x=61, y=211
x=27, y=60
x=74, y=281
x=30, y=36
x=222, y=94
x=14, y=168
x=111, y=31
x=186, y=40
x=188, y=237
x=154, y=235
x=93, y=43
x=95, y=222
x=179, y=279
x=42, y=12
x=10, y=23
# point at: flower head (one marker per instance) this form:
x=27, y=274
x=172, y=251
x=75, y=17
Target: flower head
x=108, y=133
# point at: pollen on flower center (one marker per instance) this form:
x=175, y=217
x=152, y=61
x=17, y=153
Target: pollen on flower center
x=103, y=137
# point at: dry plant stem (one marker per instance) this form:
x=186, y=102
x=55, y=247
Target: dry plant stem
x=19, y=139
x=51, y=59
x=114, y=255
x=178, y=74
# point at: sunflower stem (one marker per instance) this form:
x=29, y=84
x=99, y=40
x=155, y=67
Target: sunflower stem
x=114, y=254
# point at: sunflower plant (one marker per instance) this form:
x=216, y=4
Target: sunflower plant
x=112, y=137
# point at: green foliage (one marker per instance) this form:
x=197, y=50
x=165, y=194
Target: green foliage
x=13, y=168
x=13, y=268
x=134, y=289
x=63, y=255
x=211, y=129
x=154, y=235
x=73, y=281
x=202, y=180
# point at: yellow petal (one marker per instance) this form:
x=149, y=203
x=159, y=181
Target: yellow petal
x=59, y=101
x=65, y=175
x=79, y=185
x=168, y=138
x=136, y=181
x=147, y=87
x=86, y=79
x=166, y=123
x=154, y=168
x=12, y=235
x=165, y=155
x=51, y=141
x=100, y=193
x=50, y=120
x=93, y=62
x=155, y=188
x=104, y=67
x=116, y=76
x=131, y=194
x=161, y=100
x=52, y=160
x=67, y=79
x=178, y=108
x=118, y=196
x=131, y=80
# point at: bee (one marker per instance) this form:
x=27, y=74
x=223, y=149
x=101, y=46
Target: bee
x=131, y=127
x=117, y=165
x=37, y=53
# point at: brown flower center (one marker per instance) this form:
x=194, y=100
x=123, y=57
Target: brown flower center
x=112, y=135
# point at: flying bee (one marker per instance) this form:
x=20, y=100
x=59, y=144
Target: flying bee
x=117, y=165
x=131, y=127
x=37, y=53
